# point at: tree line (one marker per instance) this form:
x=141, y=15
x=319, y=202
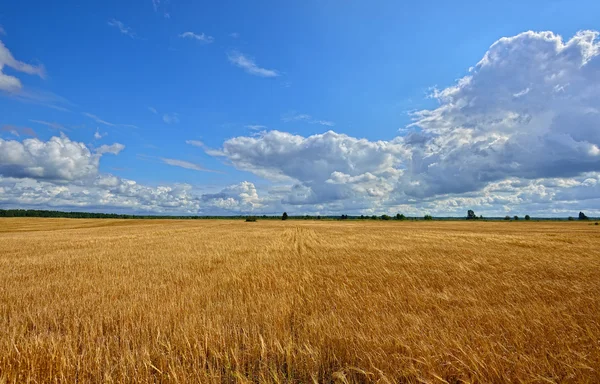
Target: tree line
x=92, y=215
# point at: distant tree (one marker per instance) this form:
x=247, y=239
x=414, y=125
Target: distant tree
x=344, y=217
x=507, y=218
x=571, y=218
x=319, y=217
x=516, y=217
x=385, y=217
x=427, y=217
x=582, y=216
x=284, y=216
x=527, y=217
x=471, y=215
x=480, y=217
x=373, y=217
x=400, y=216
x=251, y=219
x=362, y=217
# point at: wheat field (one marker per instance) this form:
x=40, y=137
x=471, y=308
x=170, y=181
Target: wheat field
x=138, y=301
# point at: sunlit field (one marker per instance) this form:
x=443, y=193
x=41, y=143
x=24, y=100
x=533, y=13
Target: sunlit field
x=298, y=301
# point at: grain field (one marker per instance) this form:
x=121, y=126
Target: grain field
x=112, y=301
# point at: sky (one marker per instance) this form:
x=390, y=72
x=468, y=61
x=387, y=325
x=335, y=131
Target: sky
x=311, y=107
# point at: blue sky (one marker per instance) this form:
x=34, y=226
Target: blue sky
x=250, y=79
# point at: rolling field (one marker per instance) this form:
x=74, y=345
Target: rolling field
x=298, y=301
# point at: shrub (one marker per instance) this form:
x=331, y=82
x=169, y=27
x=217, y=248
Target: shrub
x=250, y=219
x=427, y=217
x=507, y=218
x=571, y=218
x=385, y=217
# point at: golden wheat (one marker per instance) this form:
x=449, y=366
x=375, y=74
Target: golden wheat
x=298, y=301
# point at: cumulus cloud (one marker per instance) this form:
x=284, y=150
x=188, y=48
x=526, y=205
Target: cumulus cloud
x=110, y=193
x=58, y=159
x=10, y=83
x=528, y=111
x=242, y=197
x=206, y=39
x=248, y=65
x=60, y=173
x=313, y=161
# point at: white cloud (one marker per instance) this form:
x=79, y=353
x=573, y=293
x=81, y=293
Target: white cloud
x=153, y=110
x=58, y=159
x=55, y=126
x=528, y=112
x=171, y=118
x=121, y=27
x=196, y=143
x=256, y=127
x=241, y=197
x=104, y=122
x=186, y=165
x=507, y=119
x=115, y=149
x=2, y=31
x=294, y=117
x=250, y=66
x=10, y=83
x=234, y=35
x=98, y=120
x=311, y=161
x=326, y=123
x=98, y=135
x=201, y=37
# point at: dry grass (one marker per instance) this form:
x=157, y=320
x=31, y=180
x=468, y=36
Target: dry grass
x=215, y=301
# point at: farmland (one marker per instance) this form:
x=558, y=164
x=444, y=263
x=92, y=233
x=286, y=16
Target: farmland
x=84, y=300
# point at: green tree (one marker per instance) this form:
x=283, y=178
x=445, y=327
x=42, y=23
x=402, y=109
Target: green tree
x=400, y=216
x=527, y=217
x=507, y=218
x=516, y=217
x=284, y=216
x=427, y=217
